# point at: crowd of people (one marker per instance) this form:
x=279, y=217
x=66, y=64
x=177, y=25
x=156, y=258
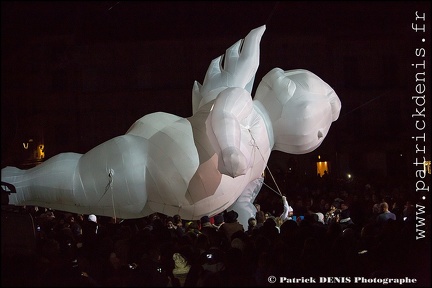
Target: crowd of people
x=337, y=234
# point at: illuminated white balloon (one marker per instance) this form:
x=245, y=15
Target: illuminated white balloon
x=196, y=166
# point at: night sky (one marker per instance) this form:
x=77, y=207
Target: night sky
x=318, y=36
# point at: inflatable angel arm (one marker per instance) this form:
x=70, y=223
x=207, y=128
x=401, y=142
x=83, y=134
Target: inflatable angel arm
x=225, y=123
x=241, y=62
x=233, y=106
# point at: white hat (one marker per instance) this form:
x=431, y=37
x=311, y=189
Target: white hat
x=320, y=217
x=92, y=218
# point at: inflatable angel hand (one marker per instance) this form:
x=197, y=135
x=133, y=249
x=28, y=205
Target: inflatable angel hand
x=241, y=62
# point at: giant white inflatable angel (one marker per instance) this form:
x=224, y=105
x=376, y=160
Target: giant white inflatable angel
x=196, y=166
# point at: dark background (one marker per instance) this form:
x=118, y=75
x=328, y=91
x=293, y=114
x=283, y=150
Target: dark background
x=75, y=74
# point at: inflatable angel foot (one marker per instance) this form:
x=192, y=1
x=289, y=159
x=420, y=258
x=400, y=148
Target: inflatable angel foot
x=6, y=190
x=7, y=187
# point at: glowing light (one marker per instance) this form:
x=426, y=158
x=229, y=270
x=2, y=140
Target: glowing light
x=427, y=167
x=322, y=166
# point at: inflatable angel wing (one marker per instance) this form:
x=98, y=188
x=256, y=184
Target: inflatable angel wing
x=240, y=64
x=196, y=166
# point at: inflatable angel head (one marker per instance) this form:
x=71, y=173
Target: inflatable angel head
x=301, y=108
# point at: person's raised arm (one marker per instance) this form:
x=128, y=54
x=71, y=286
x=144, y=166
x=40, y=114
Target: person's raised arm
x=286, y=211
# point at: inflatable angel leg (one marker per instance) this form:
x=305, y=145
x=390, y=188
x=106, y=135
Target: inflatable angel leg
x=104, y=181
x=54, y=175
